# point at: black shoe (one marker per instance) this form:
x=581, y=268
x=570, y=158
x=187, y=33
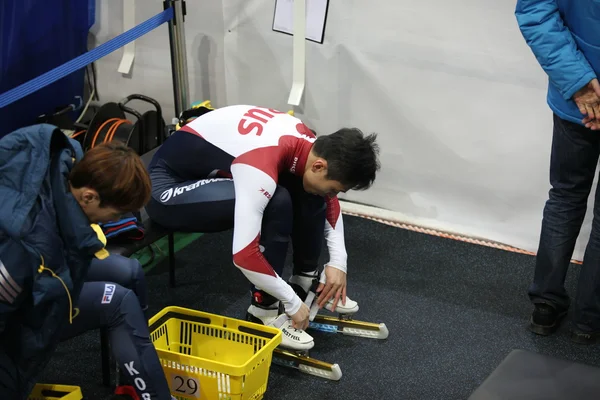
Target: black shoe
x=581, y=337
x=545, y=319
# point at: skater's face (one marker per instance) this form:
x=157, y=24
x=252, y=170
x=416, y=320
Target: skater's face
x=89, y=201
x=315, y=180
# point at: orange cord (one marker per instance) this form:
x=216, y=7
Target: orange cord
x=77, y=134
x=111, y=132
x=452, y=236
x=100, y=128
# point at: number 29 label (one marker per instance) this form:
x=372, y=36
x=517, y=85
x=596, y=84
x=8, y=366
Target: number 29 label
x=185, y=385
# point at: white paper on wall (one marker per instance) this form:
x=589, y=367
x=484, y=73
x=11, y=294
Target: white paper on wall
x=316, y=16
x=129, y=49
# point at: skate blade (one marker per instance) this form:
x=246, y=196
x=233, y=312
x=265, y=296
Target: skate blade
x=311, y=366
x=349, y=327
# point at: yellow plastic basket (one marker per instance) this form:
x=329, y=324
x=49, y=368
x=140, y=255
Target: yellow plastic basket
x=211, y=357
x=43, y=391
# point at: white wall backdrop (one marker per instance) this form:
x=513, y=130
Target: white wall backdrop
x=453, y=91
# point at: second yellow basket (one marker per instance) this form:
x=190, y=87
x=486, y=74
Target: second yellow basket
x=43, y=391
x=211, y=357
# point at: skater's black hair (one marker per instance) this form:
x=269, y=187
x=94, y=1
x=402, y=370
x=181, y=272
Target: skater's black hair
x=352, y=157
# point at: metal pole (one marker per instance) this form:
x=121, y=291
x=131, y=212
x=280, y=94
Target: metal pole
x=184, y=85
x=178, y=55
x=174, y=73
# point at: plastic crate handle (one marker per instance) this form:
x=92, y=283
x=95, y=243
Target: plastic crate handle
x=228, y=323
x=252, y=331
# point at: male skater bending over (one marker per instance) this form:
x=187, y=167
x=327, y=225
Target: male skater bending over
x=263, y=173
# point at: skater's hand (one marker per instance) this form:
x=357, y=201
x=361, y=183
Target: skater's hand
x=300, y=319
x=335, y=285
x=588, y=100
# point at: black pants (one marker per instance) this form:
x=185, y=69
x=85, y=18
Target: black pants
x=575, y=153
x=187, y=197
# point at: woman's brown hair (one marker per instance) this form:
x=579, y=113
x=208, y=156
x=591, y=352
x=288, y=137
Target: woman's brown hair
x=117, y=173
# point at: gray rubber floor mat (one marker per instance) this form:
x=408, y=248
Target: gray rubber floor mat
x=525, y=375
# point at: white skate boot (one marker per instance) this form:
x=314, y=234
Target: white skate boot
x=295, y=344
x=292, y=338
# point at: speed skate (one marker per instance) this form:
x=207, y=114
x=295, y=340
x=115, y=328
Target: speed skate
x=296, y=344
x=343, y=323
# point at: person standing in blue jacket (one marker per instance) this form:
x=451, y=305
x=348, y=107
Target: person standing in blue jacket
x=564, y=36
x=56, y=278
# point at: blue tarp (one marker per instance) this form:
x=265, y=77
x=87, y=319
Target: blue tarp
x=36, y=36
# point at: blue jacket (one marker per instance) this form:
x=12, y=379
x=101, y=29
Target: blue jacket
x=564, y=36
x=46, y=246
